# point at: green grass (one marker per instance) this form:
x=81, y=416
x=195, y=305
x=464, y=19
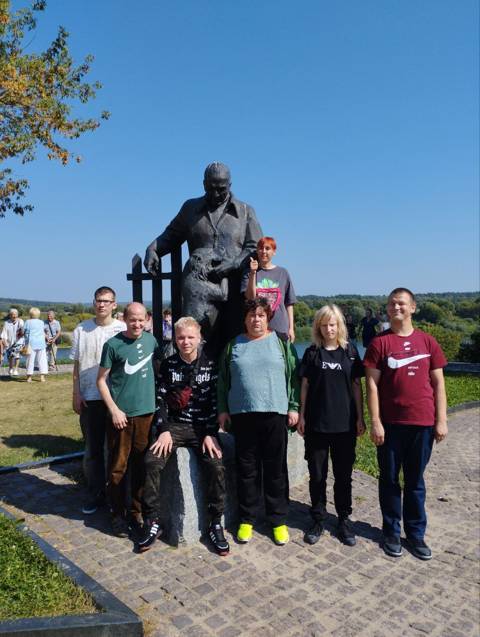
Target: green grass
x=37, y=420
x=461, y=388
x=30, y=585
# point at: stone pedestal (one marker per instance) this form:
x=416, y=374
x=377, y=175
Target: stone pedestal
x=184, y=512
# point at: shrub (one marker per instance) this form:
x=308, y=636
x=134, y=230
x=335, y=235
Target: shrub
x=449, y=341
x=470, y=351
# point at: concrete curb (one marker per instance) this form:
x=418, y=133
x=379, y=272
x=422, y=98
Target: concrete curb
x=34, y=464
x=114, y=618
x=470, y=405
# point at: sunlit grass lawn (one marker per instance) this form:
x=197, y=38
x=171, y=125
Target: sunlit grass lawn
x=37, y=420
x=30, y=585
x=461, y=388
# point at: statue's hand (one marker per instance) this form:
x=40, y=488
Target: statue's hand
x=219, y=272
x=151, y=262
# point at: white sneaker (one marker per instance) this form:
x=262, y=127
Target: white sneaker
x=15, y=372
x=10, y=371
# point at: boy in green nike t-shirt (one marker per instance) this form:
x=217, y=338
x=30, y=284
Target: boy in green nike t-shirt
x=130, y=398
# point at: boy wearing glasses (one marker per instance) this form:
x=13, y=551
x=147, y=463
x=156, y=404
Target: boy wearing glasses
x=87, y=342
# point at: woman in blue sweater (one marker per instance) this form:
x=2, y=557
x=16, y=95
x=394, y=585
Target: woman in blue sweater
x=258, y=392
x=35, y=340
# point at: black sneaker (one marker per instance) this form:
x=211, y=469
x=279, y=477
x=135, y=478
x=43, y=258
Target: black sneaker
x=151, y=530
x=89, y=506
x=313, y=535
x=345, y=532
x=218, y=539
x=92, y=503
x=419, y=549
x=119, y=526
x=392, y=545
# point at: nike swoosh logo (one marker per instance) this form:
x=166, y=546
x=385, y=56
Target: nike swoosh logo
x=393, y=363
x=131, y=369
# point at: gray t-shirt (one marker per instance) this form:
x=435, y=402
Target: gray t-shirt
x=52, y=328
x=276, y=286
x=257, y=376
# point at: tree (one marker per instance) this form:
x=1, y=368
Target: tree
x=430, y=312
x=37, y=94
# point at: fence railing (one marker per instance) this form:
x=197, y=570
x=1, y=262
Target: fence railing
x=137, y=277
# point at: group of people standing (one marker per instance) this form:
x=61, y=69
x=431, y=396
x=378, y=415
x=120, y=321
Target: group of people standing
x=35, y=339
x=148, y=405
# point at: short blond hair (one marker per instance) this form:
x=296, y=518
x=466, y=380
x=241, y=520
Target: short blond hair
x=187, y=321
x=328, y=312
x=34, y=312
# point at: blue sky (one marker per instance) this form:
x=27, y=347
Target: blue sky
x=351, y=127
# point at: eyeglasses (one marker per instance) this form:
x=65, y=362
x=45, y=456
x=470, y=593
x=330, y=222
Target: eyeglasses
x=104, y=301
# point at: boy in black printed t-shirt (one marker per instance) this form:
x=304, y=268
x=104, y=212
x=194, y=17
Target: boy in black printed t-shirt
x=186, y=417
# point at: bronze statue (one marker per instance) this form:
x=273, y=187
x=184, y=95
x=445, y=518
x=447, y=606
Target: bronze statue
x=221, y=232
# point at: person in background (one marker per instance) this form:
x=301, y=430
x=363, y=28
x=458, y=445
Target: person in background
x=53, y=331
x=12, y=339
x=87, y=342
x=384, y=323
x=167, y=333
x=35, y=341
x=119, y=316
x=368, y=325
x=149, y=323
x=331, y=418
x=129, y=396
x=258, y=393
x=408, y=409
x=187, y=417
x=264, y=279
x=167, y=324
x=351, y=326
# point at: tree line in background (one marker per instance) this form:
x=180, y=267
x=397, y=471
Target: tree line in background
x=451, y=317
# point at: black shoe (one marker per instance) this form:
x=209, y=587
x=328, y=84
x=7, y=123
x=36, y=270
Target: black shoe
x=151, y=530
x=218, y=539
x=419, y=549
x=119, y=526
x=92, y=503
x=313, y=535
x=136, y=527
x=345, y=532
x=392, y=545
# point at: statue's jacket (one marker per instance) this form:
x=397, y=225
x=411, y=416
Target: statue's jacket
x=234, y=237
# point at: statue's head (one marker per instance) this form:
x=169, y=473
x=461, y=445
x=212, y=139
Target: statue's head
x=216, y=182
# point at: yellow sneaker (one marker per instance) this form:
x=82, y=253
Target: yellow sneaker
x=280, y=534
x=244, y=533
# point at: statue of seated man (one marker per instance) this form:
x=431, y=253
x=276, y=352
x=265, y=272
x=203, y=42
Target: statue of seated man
x=226, y=231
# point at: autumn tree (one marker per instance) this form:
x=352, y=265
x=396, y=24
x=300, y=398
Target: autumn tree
x=38, y=92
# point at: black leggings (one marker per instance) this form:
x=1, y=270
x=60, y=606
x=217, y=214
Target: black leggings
x=342, y=453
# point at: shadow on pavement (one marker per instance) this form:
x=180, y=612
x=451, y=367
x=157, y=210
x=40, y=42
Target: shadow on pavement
x=45, y=445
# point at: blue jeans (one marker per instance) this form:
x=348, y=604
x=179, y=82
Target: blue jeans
x=408, y=447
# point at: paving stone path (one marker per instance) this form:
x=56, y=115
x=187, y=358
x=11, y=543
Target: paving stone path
x=262, y=589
